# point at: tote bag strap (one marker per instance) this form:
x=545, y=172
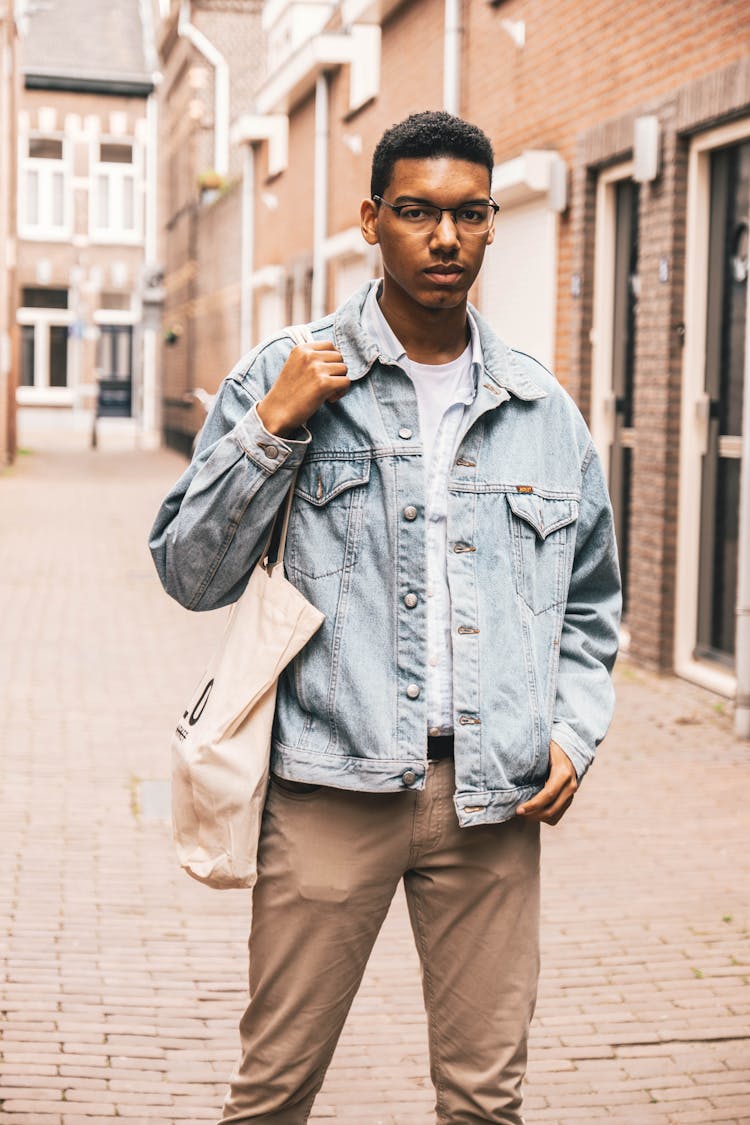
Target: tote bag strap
x=301, y=334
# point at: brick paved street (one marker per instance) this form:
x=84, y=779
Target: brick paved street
x=121, y=980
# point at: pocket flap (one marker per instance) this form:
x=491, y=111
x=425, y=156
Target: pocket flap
x=543, y=513
x=319, y=481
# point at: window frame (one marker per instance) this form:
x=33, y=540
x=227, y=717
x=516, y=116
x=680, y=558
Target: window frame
x=41, y=391
x=694, y=417
x=43, y=229
x=116, y=174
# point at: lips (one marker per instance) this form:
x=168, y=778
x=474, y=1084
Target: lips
x=445, y=275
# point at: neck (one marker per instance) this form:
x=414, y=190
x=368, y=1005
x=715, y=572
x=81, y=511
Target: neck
x=435, y=336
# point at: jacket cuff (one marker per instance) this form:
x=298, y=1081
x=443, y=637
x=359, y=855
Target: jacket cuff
x=269, y=451
x=579, y=753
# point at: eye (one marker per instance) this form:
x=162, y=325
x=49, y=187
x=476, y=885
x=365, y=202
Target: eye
x=413, y=214
x=472, y=215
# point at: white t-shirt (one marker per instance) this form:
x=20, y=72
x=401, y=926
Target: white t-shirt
x=443, y=391
x=439, y=386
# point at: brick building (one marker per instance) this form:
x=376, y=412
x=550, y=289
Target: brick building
x=87, y=235
x=622, y=140
x=8, y=112
x=211, y=58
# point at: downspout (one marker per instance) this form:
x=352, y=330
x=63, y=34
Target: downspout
x=452, y=56
x=221, y=86
x=247, y=247
x=742, y=702
x=320, y=198
x=152, y=293
x=151, y=240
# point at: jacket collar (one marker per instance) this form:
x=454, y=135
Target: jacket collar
x=360, y=351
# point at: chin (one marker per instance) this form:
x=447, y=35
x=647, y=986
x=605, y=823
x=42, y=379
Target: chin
x=443, y=300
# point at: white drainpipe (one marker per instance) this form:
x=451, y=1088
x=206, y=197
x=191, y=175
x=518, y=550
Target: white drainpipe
x=247, y=249
x=221, y=86
x=150, y=375
x=320, y=198
x=742, y=705
x=452, y=56
x=152, y=178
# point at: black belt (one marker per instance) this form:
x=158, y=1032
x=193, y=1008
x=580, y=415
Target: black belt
x=439, y=746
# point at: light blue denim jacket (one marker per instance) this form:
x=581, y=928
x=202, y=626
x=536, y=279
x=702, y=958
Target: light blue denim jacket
x=532, y=569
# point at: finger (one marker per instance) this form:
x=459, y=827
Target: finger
x=334, y=378
x=318, y=344
x=336, y=395
x=557, y=789
x=321, y=348
x=536, y=807
x=324, y=363
x=556, y=816
x=342, y=387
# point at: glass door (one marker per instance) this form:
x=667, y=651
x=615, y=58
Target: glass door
x=724, y=378
x=115, y=371
x=626, y=290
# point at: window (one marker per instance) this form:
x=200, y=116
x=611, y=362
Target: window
x=45, y=189
x=45, y=321
x=115, y=154
x=119, y=301
x=45, y=148
x=28, y=340
x=58, y=355
x=115, y=214
x=36, y=298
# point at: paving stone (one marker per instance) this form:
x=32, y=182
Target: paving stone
x=121, y=981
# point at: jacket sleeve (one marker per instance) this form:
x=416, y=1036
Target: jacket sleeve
x=588, y=644
x=212, y=526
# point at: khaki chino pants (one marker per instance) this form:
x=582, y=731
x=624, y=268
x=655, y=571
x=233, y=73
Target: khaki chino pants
x=330, y=861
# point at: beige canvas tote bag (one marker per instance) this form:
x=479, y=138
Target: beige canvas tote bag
x=221, y=746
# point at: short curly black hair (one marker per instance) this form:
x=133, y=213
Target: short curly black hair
x=431, y=133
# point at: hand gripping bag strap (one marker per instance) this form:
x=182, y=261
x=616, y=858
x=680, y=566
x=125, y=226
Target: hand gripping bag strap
x=301, y=334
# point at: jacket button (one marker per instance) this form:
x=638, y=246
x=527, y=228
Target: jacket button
x=411, y=600
x=413, y=691
x=270, y=451
x=410, y=513
x=405, y=433
x=408, y=777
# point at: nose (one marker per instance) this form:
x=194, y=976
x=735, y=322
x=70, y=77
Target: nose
x=445, y=234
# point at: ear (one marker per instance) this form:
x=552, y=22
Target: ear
x=491, y=235
x=368, y=219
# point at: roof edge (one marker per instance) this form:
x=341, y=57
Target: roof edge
x=78, y=84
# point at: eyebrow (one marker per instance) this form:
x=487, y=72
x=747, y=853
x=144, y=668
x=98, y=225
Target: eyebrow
x=431, y=202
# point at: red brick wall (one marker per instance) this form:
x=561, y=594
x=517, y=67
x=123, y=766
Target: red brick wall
x=284, y=231
x=216, y=309
x=583, y=64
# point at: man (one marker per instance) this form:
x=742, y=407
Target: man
x=452, y=522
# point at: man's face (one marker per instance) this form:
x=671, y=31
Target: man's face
x=434, y=270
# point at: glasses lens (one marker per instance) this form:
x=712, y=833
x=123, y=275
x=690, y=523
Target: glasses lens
x=420, y=215
x=475, y=218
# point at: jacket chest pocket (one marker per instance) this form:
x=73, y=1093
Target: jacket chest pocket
x=543, y=538
x=326, y=520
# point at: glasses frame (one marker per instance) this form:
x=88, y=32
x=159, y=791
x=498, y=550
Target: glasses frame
x=397, y=208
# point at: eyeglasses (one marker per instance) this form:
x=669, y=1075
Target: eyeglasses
x=423, y=218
